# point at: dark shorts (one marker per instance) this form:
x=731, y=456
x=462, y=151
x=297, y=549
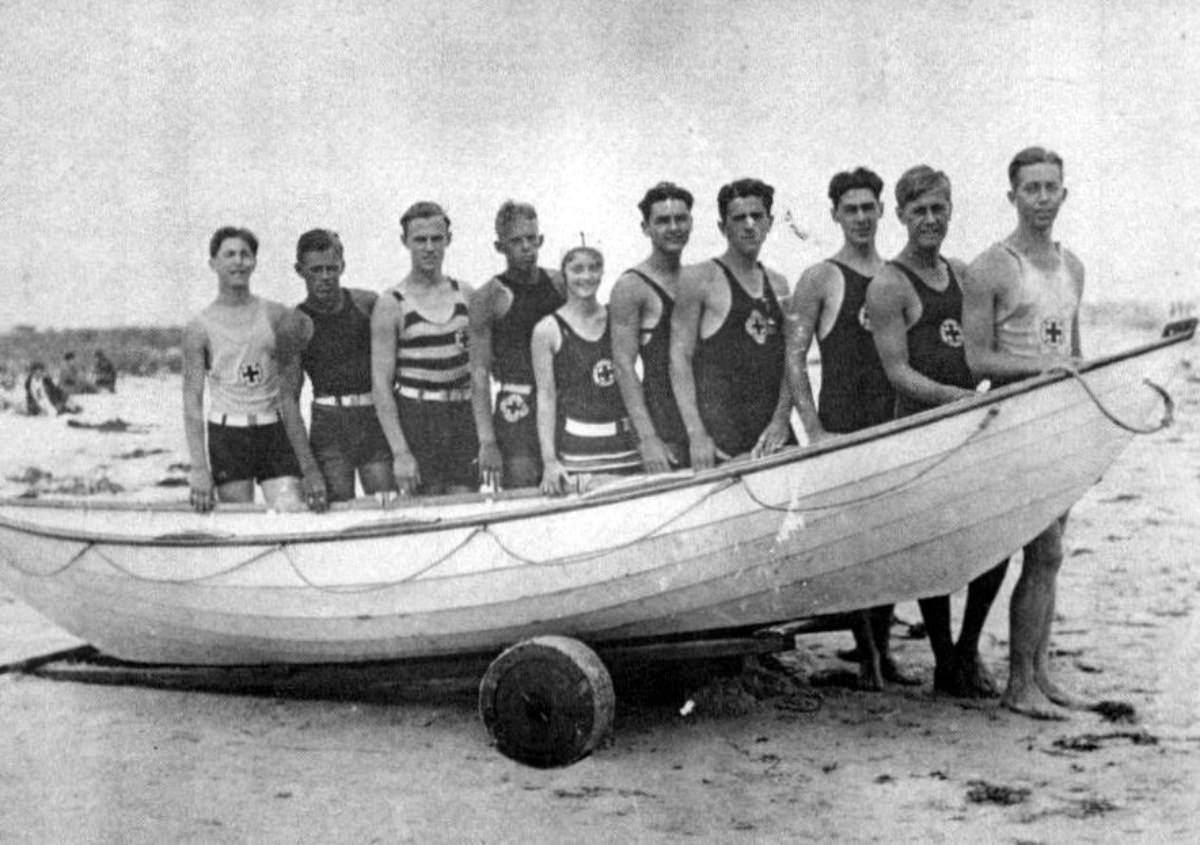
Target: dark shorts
x=442, y=438
x=258, y=452
x=515, y=423
x=346, y=439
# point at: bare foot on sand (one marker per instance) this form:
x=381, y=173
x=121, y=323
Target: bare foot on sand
x=1061, y=697
x=1032, y=702
x=893, y=674
x=977, y=679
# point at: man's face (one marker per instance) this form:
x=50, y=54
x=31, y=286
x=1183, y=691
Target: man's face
x=927, y=219
x=668, y=226
x=426, y=241
x=858, y=212
x=746, y=225
x=520, y=244
x=1039, y=195
x=234, y=263
x=322, y=274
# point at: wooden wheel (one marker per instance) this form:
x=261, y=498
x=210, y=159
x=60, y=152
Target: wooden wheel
x=547, y=701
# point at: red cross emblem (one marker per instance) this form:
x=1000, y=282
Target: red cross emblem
x=603, y=374
x=250, y=373
x=951, y=332
x=759, y=327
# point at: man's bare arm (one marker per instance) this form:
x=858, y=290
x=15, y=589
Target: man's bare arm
x=481, y=312
x=802, y=320
x=200, y=480
x=385, y=325
x=889, y=297
x=625, y=308
x=685, y=333
x=293, y=331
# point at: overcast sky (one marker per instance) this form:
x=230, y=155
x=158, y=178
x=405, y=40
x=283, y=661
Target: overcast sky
x=130, y=131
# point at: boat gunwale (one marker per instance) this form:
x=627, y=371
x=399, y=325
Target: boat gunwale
x=397, y=522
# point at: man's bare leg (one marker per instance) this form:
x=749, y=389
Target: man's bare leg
x=236, y=491
x=283, y=494
x=881, y=633
x=1050, y=557
x=974, y=677
x=1029, y=616
x=935, y=612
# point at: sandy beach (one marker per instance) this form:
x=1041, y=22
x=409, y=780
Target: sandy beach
x=819, y=762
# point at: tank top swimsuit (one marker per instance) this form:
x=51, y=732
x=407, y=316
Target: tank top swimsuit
x=739, y=369
x=431, y=358
x=592, y=431
x=935, y=341
x=855, y=391
x=655, y=351
x=338, y=358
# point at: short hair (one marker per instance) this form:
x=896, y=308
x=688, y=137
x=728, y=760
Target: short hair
x=919, y=180
x=741, y=188
x=849, y=180
x=1032, y=155
x=575, y=250
x=664, y=191
x=420, y=211
x=510, y=211
x=318, y=240
x=225, y=233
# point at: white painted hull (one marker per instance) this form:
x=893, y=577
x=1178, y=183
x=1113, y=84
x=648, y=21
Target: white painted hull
x=915, y=508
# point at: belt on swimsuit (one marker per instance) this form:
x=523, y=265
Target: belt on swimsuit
x=523, y=389
x=450, y=394
x=352, y=400
x=579, y=428
x=245, y=420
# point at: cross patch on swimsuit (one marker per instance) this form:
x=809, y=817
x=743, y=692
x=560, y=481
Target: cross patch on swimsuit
x=603, y=374
x=951, y=332
x=864, y=319
x=514, y=408
x=250, y=373
x=1054, y=334
x=759, y=327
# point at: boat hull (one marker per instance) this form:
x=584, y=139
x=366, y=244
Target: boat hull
x=914, y=508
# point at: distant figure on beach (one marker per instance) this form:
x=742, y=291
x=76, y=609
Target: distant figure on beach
x=104, y=373
x=727, y=343
x=42, y=395
x=243, y=350
x=829, y=303
x=583, y=429
x=640, y=309
x=420, y=370
x=344, y=433
x=503, y=312
x=1021, y=318
x=915, y=308
x=71, y=377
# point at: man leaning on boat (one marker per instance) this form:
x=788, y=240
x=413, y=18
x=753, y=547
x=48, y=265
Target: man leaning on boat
x=727, y=338
x=915, y=307
x=345, y=434
x=1021, y=318
x=242, y=349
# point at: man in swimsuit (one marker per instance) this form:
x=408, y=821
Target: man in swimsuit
x=420, y=375
x=1021, y=318
x=830, y=303
x=915, y=307
x=244, y=350
x=503, y=313
x=345, y=434
x=640, y=309
x=727, y=339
